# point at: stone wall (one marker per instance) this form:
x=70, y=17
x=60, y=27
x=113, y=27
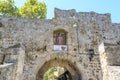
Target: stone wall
x=111, y=36
x=85, y=31
x=13, y=62
x=7, y=71
x=110, y=57
x=90, y=27
x=114, y=72
x=103, y=60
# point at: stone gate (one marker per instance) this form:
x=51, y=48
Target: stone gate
x=87, y=44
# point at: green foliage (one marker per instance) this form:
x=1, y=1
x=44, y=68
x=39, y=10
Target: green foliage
x=31, y=9
x=7, y=7
x=49, y=75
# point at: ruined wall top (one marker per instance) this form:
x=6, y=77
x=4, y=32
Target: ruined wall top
x=82, y=16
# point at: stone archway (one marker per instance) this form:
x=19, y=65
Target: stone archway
x=59, y=62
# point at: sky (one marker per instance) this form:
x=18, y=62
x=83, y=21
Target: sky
x=99, y=6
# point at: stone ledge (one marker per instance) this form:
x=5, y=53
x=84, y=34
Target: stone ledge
x=114, y=72
x=114, y=67
x=5, y=65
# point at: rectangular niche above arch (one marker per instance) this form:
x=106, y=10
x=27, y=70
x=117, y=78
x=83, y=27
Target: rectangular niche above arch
x=60, y=40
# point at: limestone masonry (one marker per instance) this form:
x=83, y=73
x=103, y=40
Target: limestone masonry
x=90, y=49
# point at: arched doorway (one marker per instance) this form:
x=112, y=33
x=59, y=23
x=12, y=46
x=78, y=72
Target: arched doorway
x=71, y=68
